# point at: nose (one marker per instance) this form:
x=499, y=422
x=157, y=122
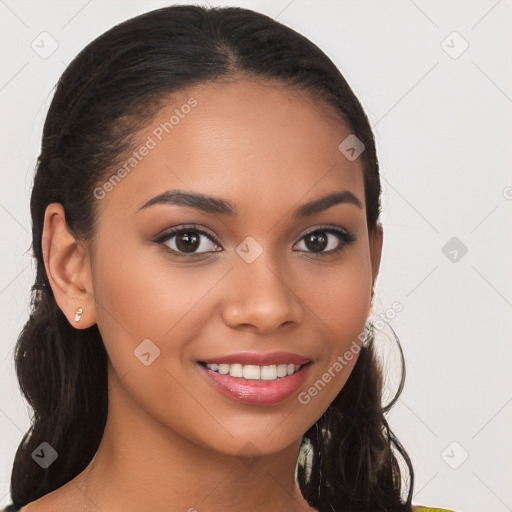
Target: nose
x=260, y=297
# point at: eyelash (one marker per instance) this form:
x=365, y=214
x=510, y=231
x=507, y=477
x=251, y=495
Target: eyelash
x=346, y=237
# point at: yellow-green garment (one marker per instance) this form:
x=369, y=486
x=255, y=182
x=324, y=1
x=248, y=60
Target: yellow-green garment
x=421, y=508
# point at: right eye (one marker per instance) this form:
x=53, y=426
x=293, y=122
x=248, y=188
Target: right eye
x=185, y=241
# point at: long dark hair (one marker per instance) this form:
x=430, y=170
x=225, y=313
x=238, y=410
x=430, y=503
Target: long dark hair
x=108, y=92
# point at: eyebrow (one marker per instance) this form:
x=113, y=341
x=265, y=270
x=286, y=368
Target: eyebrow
x=219, y=206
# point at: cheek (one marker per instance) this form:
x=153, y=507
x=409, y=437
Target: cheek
x=141, y=299
x=141, y=294
x=339, y=296
x=341, y=305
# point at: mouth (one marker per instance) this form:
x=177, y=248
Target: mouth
x=257, y=379
x=254, y=372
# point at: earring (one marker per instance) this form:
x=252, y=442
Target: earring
x=78, y=314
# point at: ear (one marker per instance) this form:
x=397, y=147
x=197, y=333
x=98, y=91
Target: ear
x=68, y=268
x=376, y=240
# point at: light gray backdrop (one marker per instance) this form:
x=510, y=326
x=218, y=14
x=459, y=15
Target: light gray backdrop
x=436, y=81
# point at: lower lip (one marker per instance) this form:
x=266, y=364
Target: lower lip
x=258, y=392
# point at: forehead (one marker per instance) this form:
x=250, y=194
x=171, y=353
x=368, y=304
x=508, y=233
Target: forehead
x=250, y=142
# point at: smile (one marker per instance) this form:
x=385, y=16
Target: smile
x=256, y=378
x=255, y=372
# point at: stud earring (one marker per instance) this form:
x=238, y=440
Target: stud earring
x=78, y=314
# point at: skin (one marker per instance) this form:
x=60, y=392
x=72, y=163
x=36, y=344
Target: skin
x=172, y=441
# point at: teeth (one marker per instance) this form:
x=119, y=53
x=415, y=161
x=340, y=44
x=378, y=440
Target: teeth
x=250, y=372
x=254, y=372
x=236, y=370
x=281, y=370
x=269, y=372
x=223, y=368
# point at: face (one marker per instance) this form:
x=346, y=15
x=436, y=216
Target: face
x=235, y=328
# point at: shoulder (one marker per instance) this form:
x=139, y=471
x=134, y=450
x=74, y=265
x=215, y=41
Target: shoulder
x=10, y=508
x=40, y=505
x=421, y=508
x=416, y=508
x=35, y=506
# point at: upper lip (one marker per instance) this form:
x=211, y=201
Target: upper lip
x=258, y=358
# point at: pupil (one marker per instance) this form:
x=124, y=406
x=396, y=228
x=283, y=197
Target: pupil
x=189, y=241
x=187, y=238
x=319, y=241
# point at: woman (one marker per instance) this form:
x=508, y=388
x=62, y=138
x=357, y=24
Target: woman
x=205, y=224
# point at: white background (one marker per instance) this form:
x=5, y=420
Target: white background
x=443, y=128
